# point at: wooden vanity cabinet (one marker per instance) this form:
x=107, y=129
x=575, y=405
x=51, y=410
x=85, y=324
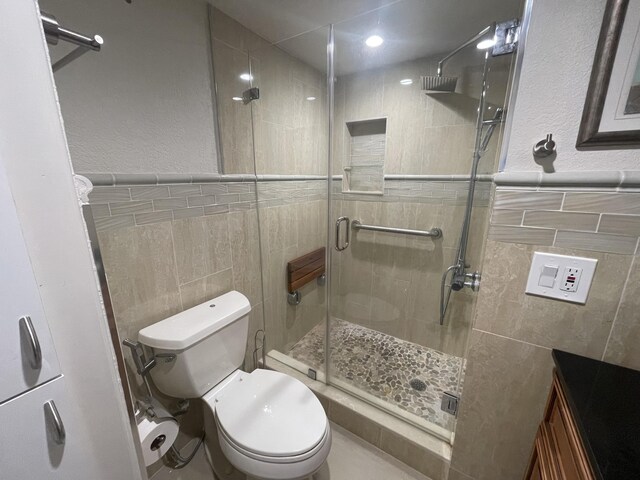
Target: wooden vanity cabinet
x=558, y=452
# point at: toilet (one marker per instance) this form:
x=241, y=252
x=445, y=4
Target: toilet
x=269, y=425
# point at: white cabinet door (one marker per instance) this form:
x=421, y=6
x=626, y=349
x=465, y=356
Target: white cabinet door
x=27, y=355
x=32, y=446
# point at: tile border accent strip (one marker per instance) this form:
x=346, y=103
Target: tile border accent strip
x=586, y=179
x=600, y=221
x=129, y=179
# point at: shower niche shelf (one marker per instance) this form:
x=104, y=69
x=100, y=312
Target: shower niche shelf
x=365, y=156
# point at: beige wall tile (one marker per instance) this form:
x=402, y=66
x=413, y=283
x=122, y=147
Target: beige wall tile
x=100, y=210
x=603, y=202
x=234, y=117
x=142, y=280
x=532, y=236
x=355, y=422
x=149, y=192
x=506, y=217
x=169, y=203
x=202, y=246
x=245, y=254
x=120, y=221
x=563, y=220
x=153, y=217
x=599, y=242
x=622, y=347
x=206, y=288
x=413, y=455
x=526, y=200
x=622, y=224
x=505, y=389
x=122, y=208
x=456, y=475
x=504, y=309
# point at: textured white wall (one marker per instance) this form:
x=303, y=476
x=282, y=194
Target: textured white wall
x=144, y=103
x=555, y=75
x=34, y=155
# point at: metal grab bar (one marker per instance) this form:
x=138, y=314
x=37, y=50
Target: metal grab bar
x=433, y=233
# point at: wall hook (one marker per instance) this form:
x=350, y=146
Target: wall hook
x=545, y=147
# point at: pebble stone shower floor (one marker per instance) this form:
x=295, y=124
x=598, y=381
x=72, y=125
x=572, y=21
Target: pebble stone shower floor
x=384, y=366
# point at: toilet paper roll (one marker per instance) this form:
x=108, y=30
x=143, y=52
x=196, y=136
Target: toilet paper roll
x=156, y=437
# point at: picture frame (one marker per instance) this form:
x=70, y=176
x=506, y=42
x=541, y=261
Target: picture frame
x=611, y=114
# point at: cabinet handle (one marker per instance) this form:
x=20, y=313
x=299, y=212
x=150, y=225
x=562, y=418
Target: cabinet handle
x=55, y=422
x=35, y=359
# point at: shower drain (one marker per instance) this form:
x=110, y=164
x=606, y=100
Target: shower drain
x=418, y=385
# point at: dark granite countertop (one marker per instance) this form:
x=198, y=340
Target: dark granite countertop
x=605, y=402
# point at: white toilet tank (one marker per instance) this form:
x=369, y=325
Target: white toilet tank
x=209, y=342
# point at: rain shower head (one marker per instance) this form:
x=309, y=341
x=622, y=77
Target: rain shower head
x=438, y=84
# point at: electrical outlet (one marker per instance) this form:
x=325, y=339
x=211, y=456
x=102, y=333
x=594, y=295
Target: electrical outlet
x=561, y=277
x=571, y=279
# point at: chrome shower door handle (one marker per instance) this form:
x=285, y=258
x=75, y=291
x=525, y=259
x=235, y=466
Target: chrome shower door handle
x=54, y=422
x=348, y=235
x=35, y=357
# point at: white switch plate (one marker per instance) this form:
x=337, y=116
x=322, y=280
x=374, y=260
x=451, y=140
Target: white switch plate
x=586, y=267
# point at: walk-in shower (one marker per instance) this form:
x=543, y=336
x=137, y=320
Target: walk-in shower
x=406, y=189
x=388, y=341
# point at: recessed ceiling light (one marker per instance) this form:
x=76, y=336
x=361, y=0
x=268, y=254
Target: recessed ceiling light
x=406, y=81
x=374, y=41
x=246, y=76
x=488, y=43
x=237, y=99
x=311, y=99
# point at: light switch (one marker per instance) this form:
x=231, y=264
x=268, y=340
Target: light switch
x=561, y=277
x=548, y=276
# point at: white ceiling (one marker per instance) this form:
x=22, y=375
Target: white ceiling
x=410, y=28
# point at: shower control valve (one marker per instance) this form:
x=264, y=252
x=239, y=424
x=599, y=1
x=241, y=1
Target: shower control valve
x=474, y=280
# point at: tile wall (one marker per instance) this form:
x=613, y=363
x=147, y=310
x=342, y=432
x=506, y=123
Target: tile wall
x=167, y=248
x=426, y=134
x=381, y=279
x=391, y=282
x=509, y=362
x=286, y=131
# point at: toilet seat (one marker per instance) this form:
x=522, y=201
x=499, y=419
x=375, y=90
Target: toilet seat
x=270, y=425
x=271, y=414
x=224, y=437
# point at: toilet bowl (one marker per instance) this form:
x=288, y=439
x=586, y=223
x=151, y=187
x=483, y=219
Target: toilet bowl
x=269, y=425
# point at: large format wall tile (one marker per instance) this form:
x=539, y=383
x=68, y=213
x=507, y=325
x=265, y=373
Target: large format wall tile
x=202, y=246
x=622, y=348
x=141, y=273
x=206, y=288
x=506, y=385
x=142, y=279
x=245, y=254
x=504, y=309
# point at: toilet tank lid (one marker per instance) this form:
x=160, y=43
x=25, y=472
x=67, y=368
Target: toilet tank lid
x=187, y=328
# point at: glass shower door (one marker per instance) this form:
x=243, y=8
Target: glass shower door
x=401, y=160
x=291, y=137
